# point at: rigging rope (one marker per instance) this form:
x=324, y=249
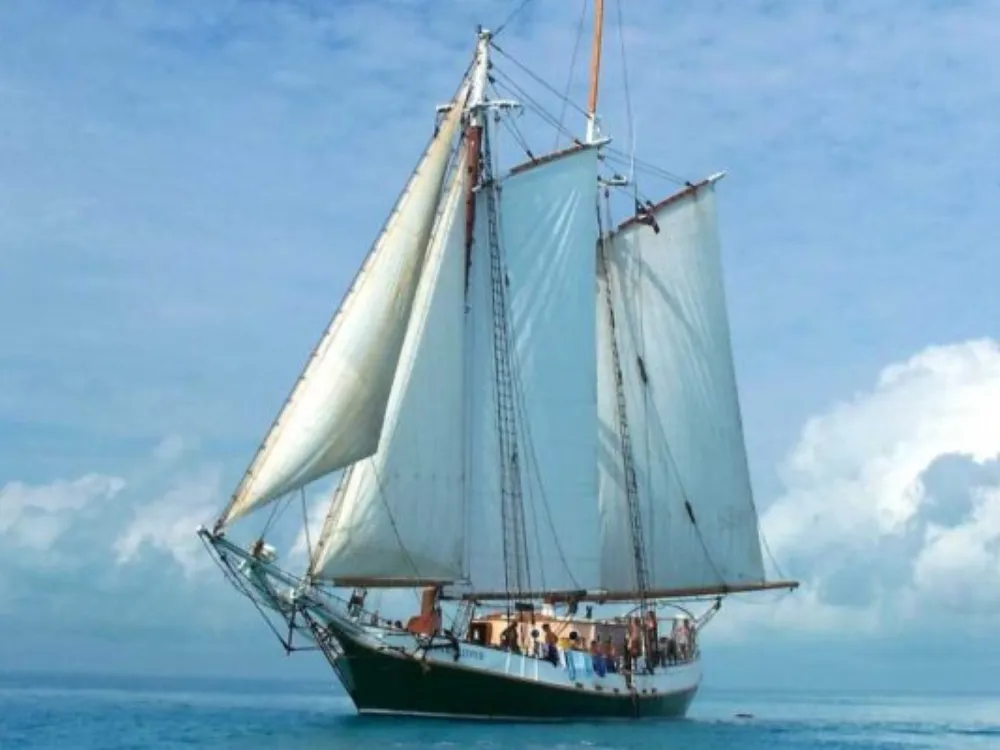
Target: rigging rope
x=517, y=91
x=523, y=428
x=628, y=467
x=512, y=127
x=511, y=17
x=628, y=96
x=572, y=67
x=392, y=520
x=516, y=570
x=541, y=81
x=305, y=523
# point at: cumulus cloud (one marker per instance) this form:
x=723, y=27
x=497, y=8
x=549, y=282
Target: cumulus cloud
x=36, y=517
x=892, y=503
x=103, y=519
x=167, y=523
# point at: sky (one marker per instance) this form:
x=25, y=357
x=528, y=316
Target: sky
x=188, y=188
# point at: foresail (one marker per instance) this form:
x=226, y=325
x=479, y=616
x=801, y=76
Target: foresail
x=399, y=515
x=547, y=229
x=681, y=403
x=334, y=415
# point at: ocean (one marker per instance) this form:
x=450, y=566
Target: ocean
x=89, y=713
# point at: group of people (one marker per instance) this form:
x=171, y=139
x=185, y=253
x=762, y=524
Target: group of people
x=642, y=649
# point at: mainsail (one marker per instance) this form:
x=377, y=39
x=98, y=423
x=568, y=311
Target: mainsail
x=334, y=414
x=682, y=406
x=545, y=234
x=399, y=515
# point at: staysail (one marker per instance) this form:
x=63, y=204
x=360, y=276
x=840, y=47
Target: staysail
x=546, y=229
x=399, y=515
x=334, y=414
x=682, y=406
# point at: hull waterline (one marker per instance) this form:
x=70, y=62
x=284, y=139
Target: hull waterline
x=388, y=682
x=390, y=671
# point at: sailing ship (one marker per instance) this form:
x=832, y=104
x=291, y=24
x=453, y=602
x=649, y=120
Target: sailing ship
x=532, y=408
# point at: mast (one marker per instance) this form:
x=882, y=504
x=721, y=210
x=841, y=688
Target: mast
x=595, y=71
x=474, y=138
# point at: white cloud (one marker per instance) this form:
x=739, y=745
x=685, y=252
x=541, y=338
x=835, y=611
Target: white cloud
x=892, y=507
x=37, y=516
x=170, y=449
x=959, y=566
x=98, y=520
x=168, y=523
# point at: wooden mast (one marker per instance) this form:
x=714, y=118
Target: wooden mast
x=474, y=138
x=595, y=70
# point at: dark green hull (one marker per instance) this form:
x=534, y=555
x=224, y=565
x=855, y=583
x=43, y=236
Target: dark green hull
x=381, y=682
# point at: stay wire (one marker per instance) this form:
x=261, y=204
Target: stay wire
x=572, y=66
x=511, y=17
x=504, y=82
x=628, y=95
x=541, y=81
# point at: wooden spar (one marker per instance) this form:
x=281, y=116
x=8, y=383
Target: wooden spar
x=690, y=189
x=550, y=157
x=473, y=142
x=689, y=592
x=476, y=123
x=602, y=597
x=365, y=582
x=595, y=69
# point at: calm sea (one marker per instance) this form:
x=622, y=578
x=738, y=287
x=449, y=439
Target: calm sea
x=78, y=713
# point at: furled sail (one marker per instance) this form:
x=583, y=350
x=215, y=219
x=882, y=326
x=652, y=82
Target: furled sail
x=334, y=414
x=399, y=516
x=682, y=407
x=547, y=230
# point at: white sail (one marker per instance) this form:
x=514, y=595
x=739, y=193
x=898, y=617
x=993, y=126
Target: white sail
x=617, y=560
x=682, y=407
x=548, y=226
x=334, y=415
x=399, y=515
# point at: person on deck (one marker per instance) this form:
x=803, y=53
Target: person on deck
x=635, y=639
x=610, y=657
x=692, y=630
x=551, y=641
x=508, y=638
x=670, y=649
x=652, y=640
x=600, y=665
x=681, y=639
x=565, y=643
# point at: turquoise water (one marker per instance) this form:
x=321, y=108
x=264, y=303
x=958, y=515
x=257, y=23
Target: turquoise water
x=81, y=713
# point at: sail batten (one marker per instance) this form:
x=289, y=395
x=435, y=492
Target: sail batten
x=399, y=518
x=335, y=412
x=695, y=498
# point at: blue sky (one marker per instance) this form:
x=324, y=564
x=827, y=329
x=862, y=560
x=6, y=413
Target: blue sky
x=189, y=186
